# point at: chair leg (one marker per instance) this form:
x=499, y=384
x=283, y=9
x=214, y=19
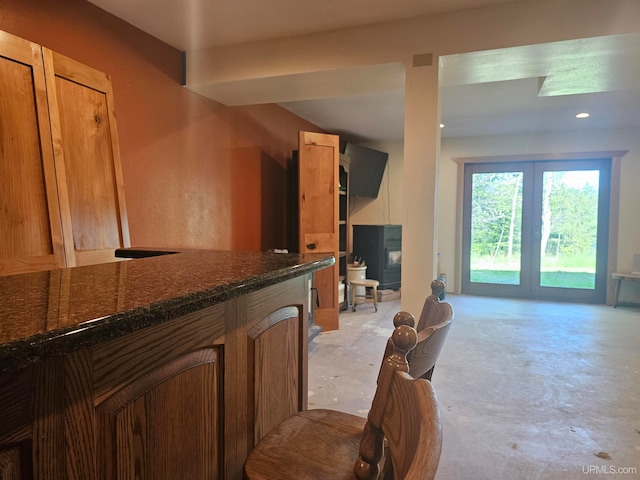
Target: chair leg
x=353, y=298
x=375, y=297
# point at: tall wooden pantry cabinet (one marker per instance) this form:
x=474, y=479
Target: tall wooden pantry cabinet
x=314, y=217
x=344, y=229
x=61, y=189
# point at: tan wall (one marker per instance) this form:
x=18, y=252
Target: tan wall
x=189, y=163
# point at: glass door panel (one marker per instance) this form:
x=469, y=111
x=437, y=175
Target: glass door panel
x=569, y=233
x=496, y=234
x=496, y=221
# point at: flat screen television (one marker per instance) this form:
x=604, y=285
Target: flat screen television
x=366, y=169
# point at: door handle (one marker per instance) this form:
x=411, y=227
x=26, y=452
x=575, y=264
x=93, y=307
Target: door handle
x=311, y=246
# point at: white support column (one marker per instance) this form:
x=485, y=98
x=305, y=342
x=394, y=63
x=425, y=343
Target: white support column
x=420, y=180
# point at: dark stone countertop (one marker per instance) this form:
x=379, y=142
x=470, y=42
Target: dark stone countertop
x=47, y=314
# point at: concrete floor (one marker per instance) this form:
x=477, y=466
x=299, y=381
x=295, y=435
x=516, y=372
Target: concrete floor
x=527, y=390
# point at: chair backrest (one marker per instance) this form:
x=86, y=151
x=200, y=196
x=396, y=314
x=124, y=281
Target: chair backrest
x=422, y=359
x=434, y=311
x=433, y=327
x=405, y=411
x=413, y=429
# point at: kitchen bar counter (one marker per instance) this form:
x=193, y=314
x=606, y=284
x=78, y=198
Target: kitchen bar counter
x=170, y=366
x=47, y=314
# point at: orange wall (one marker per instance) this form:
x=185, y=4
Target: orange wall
x=187, y=161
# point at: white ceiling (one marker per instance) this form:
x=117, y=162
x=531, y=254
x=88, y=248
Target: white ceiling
x=515, y=90
x=196, y=24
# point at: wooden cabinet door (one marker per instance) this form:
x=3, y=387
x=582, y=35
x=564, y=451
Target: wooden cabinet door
x=275, y=351
x=319, y=156
x=30, y=233
x=165, y=425
x=87, y=159
x=15, y=426
x=158, y=394
x=61, y=189
x=10, y=463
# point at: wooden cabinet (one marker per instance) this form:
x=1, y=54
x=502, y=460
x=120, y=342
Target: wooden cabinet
x=316, y=218
x=30, y=226
x=187, y=398
x=87, y=159
x=277, y=351
x=343, y=228
x=61, y=198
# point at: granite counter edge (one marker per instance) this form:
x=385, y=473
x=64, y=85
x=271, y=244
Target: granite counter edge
x=17, y=355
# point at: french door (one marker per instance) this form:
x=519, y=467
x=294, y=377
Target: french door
x=536, y=229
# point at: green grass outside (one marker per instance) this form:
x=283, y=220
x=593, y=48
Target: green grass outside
x=584, y=280
x=573, y=262
x=582, y=263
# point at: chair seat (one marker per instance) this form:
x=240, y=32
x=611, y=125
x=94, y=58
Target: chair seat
x=310, y=445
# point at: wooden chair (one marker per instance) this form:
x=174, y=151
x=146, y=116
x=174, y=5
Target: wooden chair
x=327, y=444
x=433, y=327
x=434, y=311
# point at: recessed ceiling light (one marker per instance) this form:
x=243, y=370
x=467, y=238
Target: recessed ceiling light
x=442, y=125
x=582, y=115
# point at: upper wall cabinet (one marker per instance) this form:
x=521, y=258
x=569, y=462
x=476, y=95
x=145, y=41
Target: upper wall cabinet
x=61, y=191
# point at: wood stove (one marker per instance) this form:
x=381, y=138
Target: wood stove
x=381, y=248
